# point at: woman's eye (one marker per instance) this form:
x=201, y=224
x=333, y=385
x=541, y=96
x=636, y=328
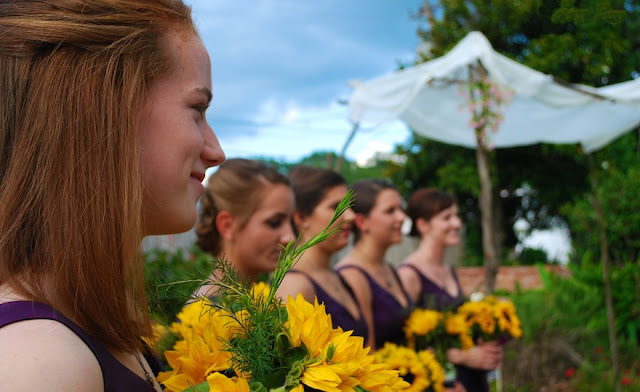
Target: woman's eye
x=274, y=223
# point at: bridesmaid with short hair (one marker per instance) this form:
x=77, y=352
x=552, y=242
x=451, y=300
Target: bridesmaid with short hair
x=434, y=285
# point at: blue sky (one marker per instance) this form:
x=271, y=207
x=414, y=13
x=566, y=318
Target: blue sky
x=280, y=67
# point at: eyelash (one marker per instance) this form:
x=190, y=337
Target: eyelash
x=274, y=223
x=201, y=109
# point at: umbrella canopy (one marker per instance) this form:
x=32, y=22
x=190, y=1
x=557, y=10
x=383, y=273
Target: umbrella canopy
x=427, y=98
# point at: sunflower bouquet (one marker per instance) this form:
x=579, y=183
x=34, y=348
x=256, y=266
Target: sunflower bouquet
x=436, y=331
x=490, y=319
x=420, y=368
x=248, y=341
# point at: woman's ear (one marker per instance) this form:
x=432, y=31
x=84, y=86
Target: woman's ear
x=361, y=222
x=225, y=224
x=422, y=226
x=299, y=221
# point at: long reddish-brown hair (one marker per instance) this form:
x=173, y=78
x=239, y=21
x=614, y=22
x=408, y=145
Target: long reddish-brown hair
x=74, y=78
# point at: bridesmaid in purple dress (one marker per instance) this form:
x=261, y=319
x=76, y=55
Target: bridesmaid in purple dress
x=378, y=222
x=434, y=285
x=318, y=192
x=103, y=140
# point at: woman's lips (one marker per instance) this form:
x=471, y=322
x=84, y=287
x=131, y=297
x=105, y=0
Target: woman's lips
x=196, y=179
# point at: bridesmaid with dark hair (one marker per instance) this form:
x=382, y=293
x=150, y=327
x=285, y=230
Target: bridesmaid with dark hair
x=377, y=225
x=434, y=285
x=317, y=193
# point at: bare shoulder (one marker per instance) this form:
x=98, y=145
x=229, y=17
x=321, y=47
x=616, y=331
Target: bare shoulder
x=357, y=280
x=292, y=284
x=409, y=279
x=46, y=355
x=407, y=275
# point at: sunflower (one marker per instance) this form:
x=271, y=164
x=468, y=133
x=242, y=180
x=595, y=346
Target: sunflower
x=420, y=369
x=200, y=352
x=335, y=360
x=260, y=289
x=508, y=321
x=479, y=317
x=423, y=325
x=192, y=316
x=218, y=382
x=309, y=324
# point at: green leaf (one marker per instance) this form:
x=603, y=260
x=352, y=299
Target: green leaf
x=202, y=387
x=293, y=355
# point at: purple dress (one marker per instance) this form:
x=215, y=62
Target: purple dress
x=340, y=316
x=389, y=315
x=435, y=297
x=116, y=376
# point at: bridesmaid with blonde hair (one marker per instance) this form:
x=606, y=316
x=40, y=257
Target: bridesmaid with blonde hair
x=245, y=218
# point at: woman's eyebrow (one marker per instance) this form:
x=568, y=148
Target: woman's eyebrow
x=206, y=91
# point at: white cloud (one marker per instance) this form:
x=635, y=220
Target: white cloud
x=369, y=152
x=555, y=242
x=290, y=131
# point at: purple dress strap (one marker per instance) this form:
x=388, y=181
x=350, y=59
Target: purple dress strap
x=389, y=315
x=437, y=298
x=116, y=376
x=339, y=314
x=433, y=296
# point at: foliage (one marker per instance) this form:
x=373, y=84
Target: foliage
x=564, y=327
x=619, y=176
x=162, y=267
x=350, y=170
x=580, y=41
x=532, y=256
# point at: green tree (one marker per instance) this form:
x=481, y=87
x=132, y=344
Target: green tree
x=351, y=171
x=593, y=42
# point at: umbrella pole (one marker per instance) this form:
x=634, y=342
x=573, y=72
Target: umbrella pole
x=340, y=161
x=486, y=211
x=477, y=72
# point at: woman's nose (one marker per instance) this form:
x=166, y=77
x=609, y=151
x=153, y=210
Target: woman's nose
x=287, y=234
x=212, y=154
x=348, y=214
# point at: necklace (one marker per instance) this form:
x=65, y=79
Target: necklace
x=387, y=278
x=147, y=376
x=389, y=282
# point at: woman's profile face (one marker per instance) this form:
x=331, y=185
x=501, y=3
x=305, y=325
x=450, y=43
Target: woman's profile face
x=444, y=227
x=321, y=216
x=176, y=143
x=257, y=244
x=384, y=222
